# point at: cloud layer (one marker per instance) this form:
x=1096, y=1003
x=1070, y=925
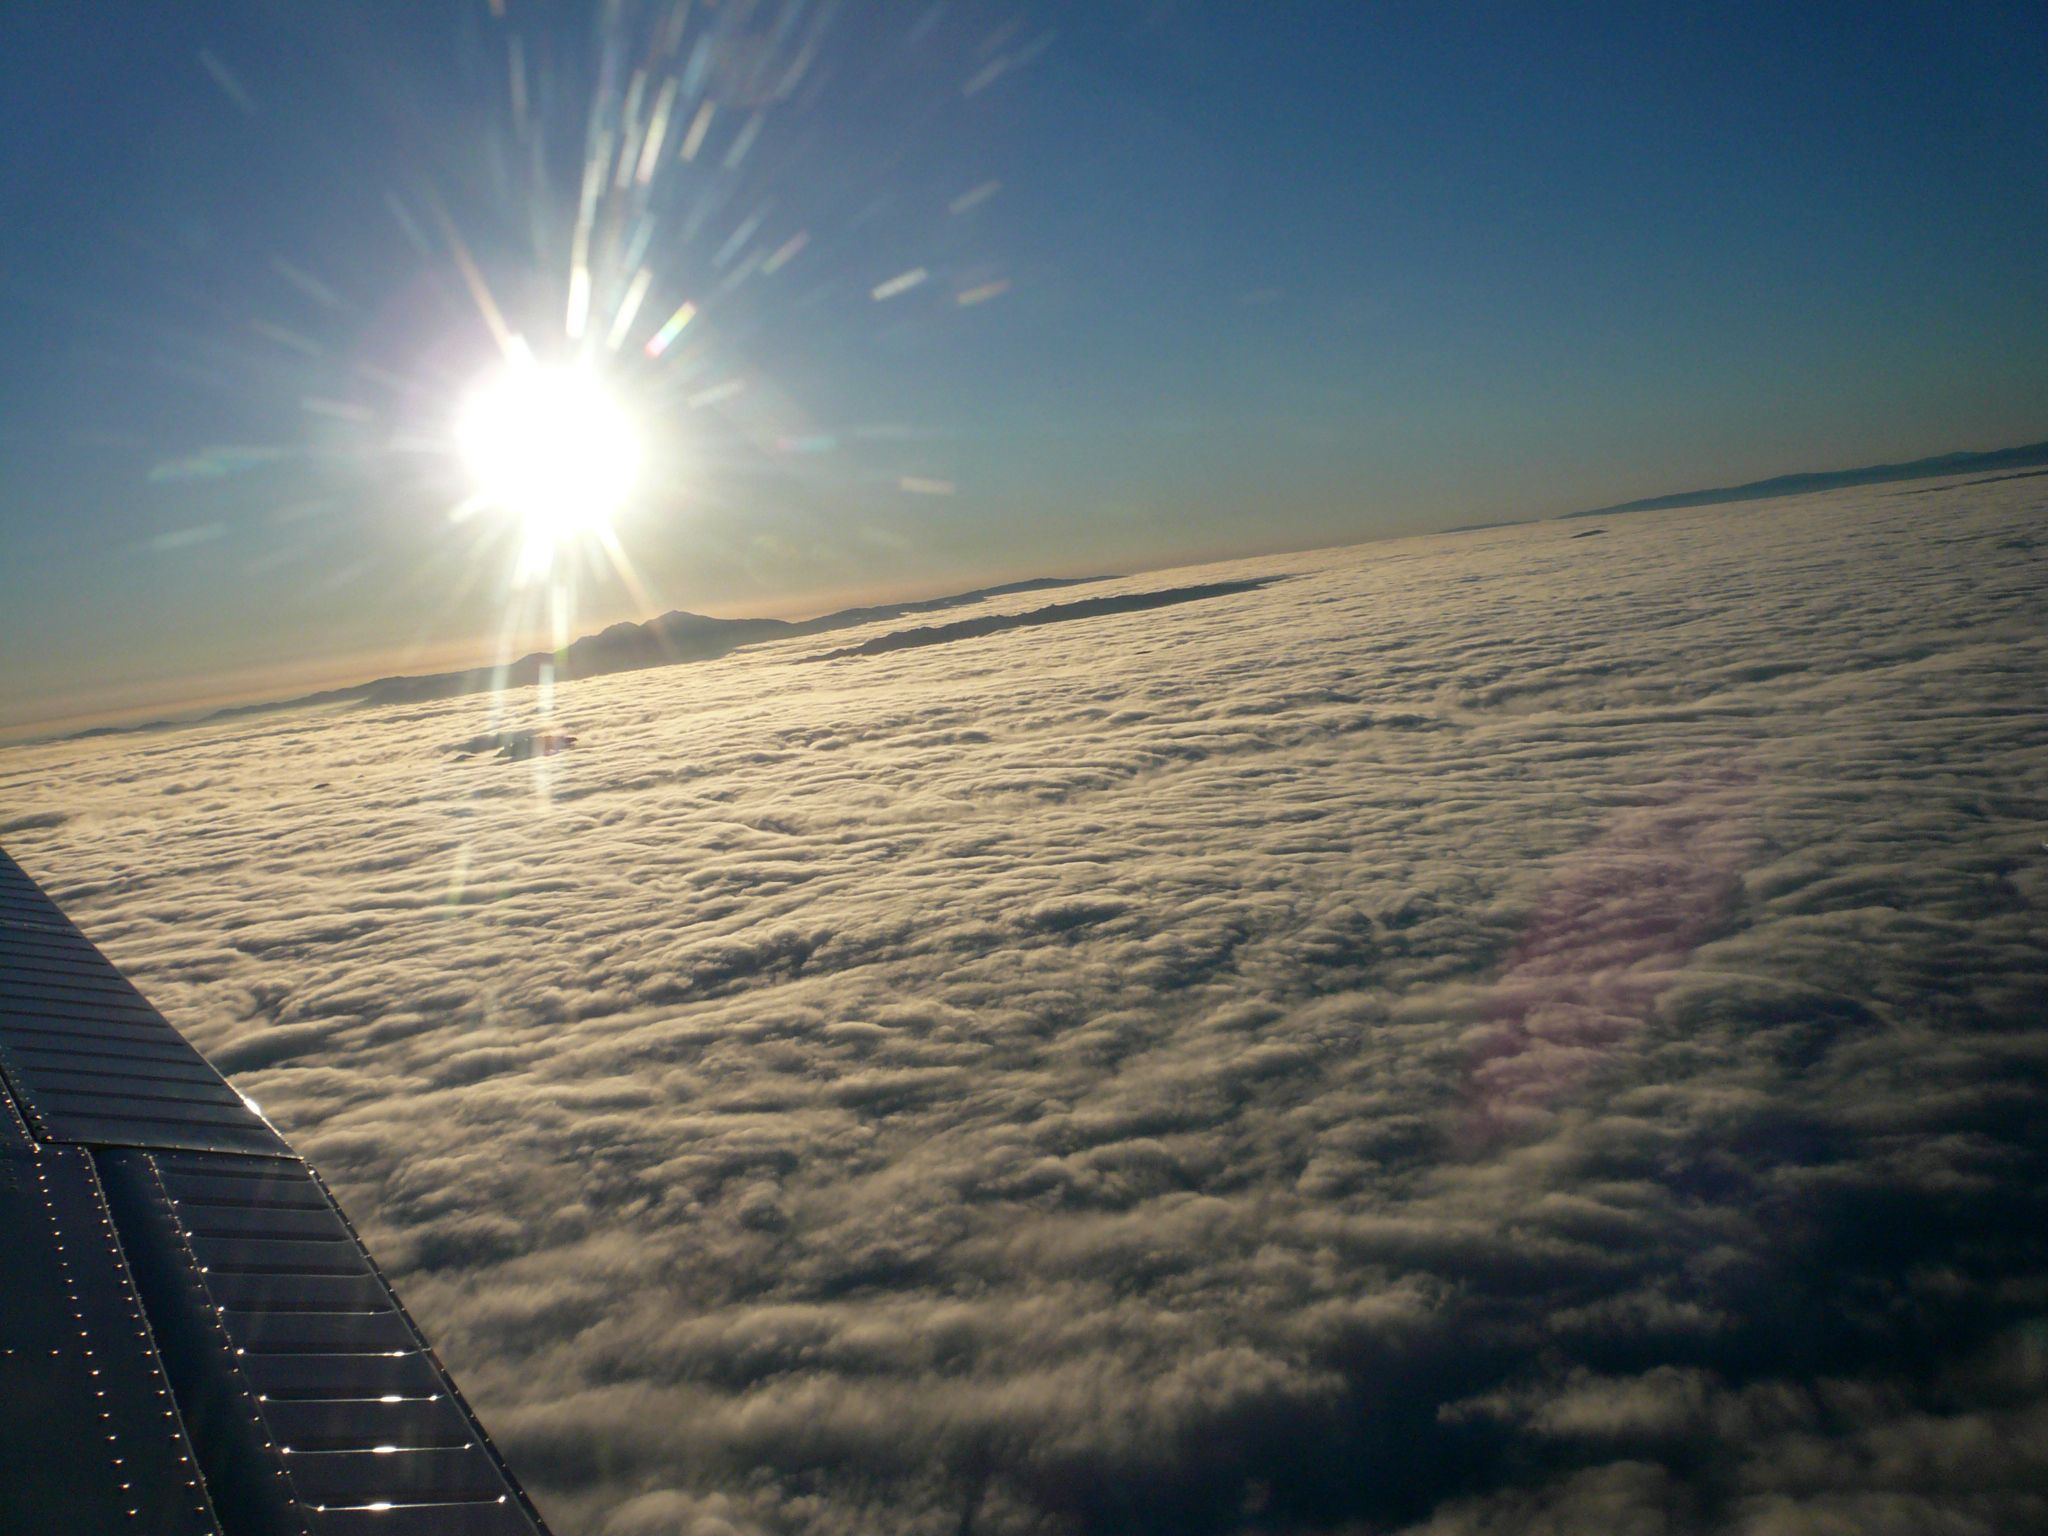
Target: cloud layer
x=1498, y=1033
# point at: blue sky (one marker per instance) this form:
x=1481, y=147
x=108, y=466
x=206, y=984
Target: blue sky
x=1250, y=277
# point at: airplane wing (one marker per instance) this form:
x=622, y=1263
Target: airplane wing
x=193, y=1341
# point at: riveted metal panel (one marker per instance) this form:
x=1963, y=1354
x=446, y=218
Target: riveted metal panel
x=39, y=1059
x=140, y=1131
x=241, y=1185
x=195, y=1090
x=136, y=1106
x=430, y=1476
x=329, y=1293
x=58, y=1004
x=332, y=1383
x=76, y=969
x=66, y=976
x=277, y=1256
x=119, y=1044
x=90, y=1439
x=34, y=937
x=271, y=1330
x=79, y=999
x=65, y=1010
x=266, y=1222
x=362, y=1424
x=303, y=1396
x=341, y=1378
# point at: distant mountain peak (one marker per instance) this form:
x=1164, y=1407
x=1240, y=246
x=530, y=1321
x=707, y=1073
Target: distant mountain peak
x=675, y=636
x=2024, y=455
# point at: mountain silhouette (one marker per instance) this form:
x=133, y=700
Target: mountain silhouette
x=675, y=636
x=2024, y=456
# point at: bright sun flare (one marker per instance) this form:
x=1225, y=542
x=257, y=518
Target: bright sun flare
x=548, y=445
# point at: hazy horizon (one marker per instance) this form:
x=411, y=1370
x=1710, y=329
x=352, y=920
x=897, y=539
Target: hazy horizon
x=288, y=681
x=959, y=295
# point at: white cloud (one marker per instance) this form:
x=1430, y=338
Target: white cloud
x=1493, y=1033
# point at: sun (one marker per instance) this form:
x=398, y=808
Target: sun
x=548, y=445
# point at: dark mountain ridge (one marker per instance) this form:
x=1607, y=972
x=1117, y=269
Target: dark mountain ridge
x=675, y=636
x=2024, y=455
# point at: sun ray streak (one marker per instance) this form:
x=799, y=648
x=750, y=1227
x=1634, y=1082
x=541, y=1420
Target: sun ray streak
x=622, y=322
x=473, y=279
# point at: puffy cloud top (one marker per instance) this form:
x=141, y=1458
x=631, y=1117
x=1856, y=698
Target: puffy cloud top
x=1496, y=1033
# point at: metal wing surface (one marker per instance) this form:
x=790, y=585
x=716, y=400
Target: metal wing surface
x=193, y=1341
